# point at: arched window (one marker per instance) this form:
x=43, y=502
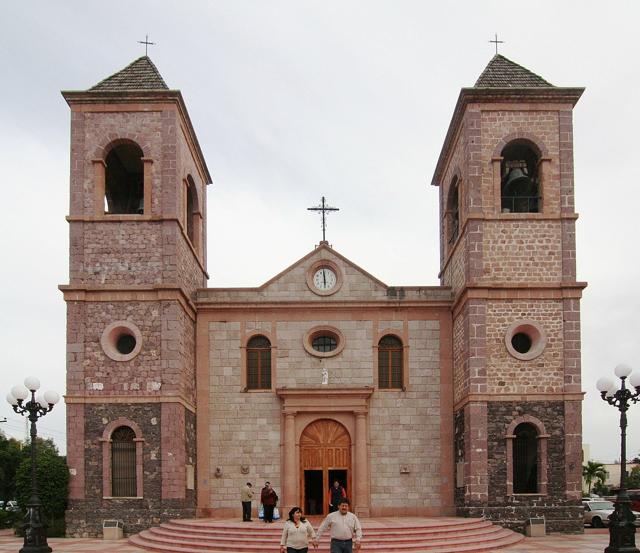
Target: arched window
x=453, y=212
x=124, y=180
x=259, y=363
x=520, y=183
x=191, y=211
x=123, y=463
x=525, y=459
x=390, y=362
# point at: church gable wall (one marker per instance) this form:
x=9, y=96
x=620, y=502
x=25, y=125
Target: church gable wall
x=292, y=285
x=405, y=432
x=351, y=368
x=404, y=426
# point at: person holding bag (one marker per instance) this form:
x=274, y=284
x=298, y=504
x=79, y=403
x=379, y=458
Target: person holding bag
x=296, y=533
x=269, y=498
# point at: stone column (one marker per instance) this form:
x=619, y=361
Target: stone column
x=289, y=490
x=361, y=468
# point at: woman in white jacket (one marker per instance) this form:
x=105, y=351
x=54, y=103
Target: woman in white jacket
x=296, y=533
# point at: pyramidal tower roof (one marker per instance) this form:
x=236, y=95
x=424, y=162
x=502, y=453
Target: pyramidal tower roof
x=140, y=74
x=502, y=81
x=504, y=73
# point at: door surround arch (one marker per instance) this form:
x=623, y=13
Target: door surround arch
x=325, y=454
x=347, y=406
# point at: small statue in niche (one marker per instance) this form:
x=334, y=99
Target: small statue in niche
x=325, y=377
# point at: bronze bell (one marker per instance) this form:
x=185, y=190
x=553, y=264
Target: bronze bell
x=518, y=182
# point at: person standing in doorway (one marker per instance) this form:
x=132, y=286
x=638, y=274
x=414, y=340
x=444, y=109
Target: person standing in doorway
x=336, y=493
x=269, y=499
x=346, y=531
x=246, y=495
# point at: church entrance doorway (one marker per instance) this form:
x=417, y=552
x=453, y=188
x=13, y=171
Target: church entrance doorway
x=325, y=456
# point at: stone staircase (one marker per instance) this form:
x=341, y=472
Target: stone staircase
x=381, y=535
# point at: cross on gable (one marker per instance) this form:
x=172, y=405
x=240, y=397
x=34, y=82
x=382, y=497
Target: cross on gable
x=323, y=207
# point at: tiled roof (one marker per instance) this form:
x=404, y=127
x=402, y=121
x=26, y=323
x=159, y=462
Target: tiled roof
x=138, y=75
x=503, y=73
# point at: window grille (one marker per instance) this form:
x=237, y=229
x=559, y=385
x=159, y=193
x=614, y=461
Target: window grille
x=390, y=367
x=324, y=343
x=123, y=462
x=525, y=459
x=259, y=363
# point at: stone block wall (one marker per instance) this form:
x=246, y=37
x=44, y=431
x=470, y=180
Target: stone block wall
x=562, y=511
x=506, y=374
x=245, y=428
x=415, y=442
x=88, y=507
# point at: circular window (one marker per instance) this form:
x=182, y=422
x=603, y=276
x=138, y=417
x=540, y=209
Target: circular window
x=126, y=344
x=121, y=341
x=525, y=340
x=323, y=341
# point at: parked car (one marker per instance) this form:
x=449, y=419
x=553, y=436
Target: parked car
x=11, y=505
x=596, y=513
x=634, y=495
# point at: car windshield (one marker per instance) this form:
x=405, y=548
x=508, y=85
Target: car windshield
x=600, y=505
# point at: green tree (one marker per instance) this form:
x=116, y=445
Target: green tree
x=633, y=479
x=10, y=457
x=53, y=482
x=593, y=472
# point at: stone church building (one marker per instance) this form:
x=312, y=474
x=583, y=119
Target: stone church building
x=462, y=398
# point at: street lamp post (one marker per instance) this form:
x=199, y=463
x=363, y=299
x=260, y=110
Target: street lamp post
x=622, y=529
x=35, y=531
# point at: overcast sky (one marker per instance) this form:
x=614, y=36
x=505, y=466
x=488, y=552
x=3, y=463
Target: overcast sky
x=292, y=100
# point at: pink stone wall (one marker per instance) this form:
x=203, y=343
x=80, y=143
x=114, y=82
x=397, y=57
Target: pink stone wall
x=498, y=126
x=521, y=251
x=508, y=375
x=93, y=133
x=120, y=253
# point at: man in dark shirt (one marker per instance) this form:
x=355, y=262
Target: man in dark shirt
x=336, y=493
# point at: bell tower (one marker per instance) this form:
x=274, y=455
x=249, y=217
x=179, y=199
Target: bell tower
x=507, y=238
x=137, y=255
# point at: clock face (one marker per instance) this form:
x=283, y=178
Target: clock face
x=324, y=278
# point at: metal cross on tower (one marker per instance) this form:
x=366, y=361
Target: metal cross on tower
x=146, y=44
x=496, y=42
x=323, y=207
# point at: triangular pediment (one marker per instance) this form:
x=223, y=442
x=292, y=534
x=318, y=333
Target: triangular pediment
x=297, y=283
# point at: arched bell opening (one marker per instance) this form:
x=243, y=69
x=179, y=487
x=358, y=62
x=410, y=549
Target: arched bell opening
x=520, y=179
x=124, y=180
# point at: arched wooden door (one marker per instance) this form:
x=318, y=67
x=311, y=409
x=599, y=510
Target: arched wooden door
x=325, y=455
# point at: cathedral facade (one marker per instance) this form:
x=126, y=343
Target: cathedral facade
x=459, y=399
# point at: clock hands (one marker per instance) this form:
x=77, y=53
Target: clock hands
x=324, y=277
